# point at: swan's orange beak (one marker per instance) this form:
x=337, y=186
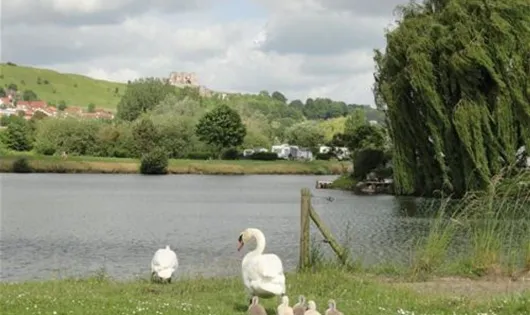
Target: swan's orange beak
x=239, y=245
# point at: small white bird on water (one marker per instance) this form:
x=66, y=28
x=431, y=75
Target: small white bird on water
x=164, y=264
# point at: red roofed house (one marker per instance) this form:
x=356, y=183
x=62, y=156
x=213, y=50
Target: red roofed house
x=7, y=101
x=31, y=107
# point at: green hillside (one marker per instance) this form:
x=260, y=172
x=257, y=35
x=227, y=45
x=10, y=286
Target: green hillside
x=53, y=87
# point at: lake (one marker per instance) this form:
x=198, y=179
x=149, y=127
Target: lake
x=59, y=225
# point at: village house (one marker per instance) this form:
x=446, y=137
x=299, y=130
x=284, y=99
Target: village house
x=9, y=107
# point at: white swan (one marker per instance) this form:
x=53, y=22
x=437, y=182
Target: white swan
x=163, y=264
x=262, y=273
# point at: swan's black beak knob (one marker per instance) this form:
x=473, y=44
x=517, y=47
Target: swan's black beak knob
x=240, y=243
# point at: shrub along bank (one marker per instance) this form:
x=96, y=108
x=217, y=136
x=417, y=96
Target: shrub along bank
x=87, y=164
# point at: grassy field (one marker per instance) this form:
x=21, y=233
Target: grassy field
x=52, y=87
x=85, y=164
x=355, y=294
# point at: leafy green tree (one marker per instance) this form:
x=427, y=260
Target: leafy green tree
x=115, y=140
x=279, y=97
x=61, y=106
x=12, y=87
x=297, y=104
x=3, y=146
x=174, y=104
x=2, y=92
x=91, y=108
x=142, y=95
x=369, y=160
x=453, y=81
x=366, y=137
x=324, y=108
x=145, y=135
x=29, y=95
x=18, y=134
x=354, y=120
x=71, y=135
x=38, y=115
x=305, y=134
x=175, y=134
x=222, y=127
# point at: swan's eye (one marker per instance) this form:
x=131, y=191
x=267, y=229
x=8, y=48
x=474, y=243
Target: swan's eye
x=240, y=239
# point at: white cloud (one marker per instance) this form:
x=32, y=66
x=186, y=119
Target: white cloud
x=306, y=49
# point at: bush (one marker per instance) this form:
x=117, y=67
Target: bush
x=264, y=156
x=365, y=161
x=154, y=162
x=18, y=134
x=199, y=155
x=72, y=135
x=324, y=156
x=21, y=165
x=230, y=154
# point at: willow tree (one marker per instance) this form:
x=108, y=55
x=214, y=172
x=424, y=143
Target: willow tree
x=454, y=81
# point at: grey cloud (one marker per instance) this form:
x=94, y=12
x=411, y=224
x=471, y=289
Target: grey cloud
x=47, y=45
x=339, y=65
x=53, y=45
x=370, y=8
x=322, y=33
x=35, y=12
x=374, y=8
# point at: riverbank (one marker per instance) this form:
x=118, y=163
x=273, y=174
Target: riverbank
x=354, y=293
x=96, y=165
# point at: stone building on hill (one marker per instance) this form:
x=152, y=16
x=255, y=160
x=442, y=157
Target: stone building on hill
x=183, y=79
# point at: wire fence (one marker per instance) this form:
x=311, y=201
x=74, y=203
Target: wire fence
x=371, y=230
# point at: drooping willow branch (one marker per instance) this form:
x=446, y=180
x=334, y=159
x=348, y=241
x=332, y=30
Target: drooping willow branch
x=455, y=83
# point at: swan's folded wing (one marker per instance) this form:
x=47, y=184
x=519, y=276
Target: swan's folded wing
x=164, y=259
x=270, y=266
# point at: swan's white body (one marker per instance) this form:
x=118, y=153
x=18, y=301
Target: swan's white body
x=262, y=273
x=284, y=308
x=164, y=263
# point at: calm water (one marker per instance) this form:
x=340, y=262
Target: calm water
x=74, y=225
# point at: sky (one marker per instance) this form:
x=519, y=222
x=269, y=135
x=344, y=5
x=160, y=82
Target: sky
x=302, y=48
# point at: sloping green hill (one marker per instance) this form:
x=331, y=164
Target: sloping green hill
x=53, y=87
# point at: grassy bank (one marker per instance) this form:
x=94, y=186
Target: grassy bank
x=354, y=295
x=344, y=182
x=53, y=87
x=85, y=164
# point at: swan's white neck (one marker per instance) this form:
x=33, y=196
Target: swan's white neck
x=260, y=241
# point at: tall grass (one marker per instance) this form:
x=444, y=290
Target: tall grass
x=491, y=227
x=485, y=233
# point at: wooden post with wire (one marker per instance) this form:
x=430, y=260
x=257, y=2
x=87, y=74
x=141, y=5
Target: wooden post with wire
x=326, y=233
x=307, y=213
x=305, y=249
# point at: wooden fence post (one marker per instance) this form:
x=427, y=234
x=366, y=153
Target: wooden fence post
x=305, y=208
x=339, y=251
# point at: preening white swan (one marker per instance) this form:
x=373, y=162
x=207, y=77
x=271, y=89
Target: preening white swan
x=163, y=264
x=262, y=273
